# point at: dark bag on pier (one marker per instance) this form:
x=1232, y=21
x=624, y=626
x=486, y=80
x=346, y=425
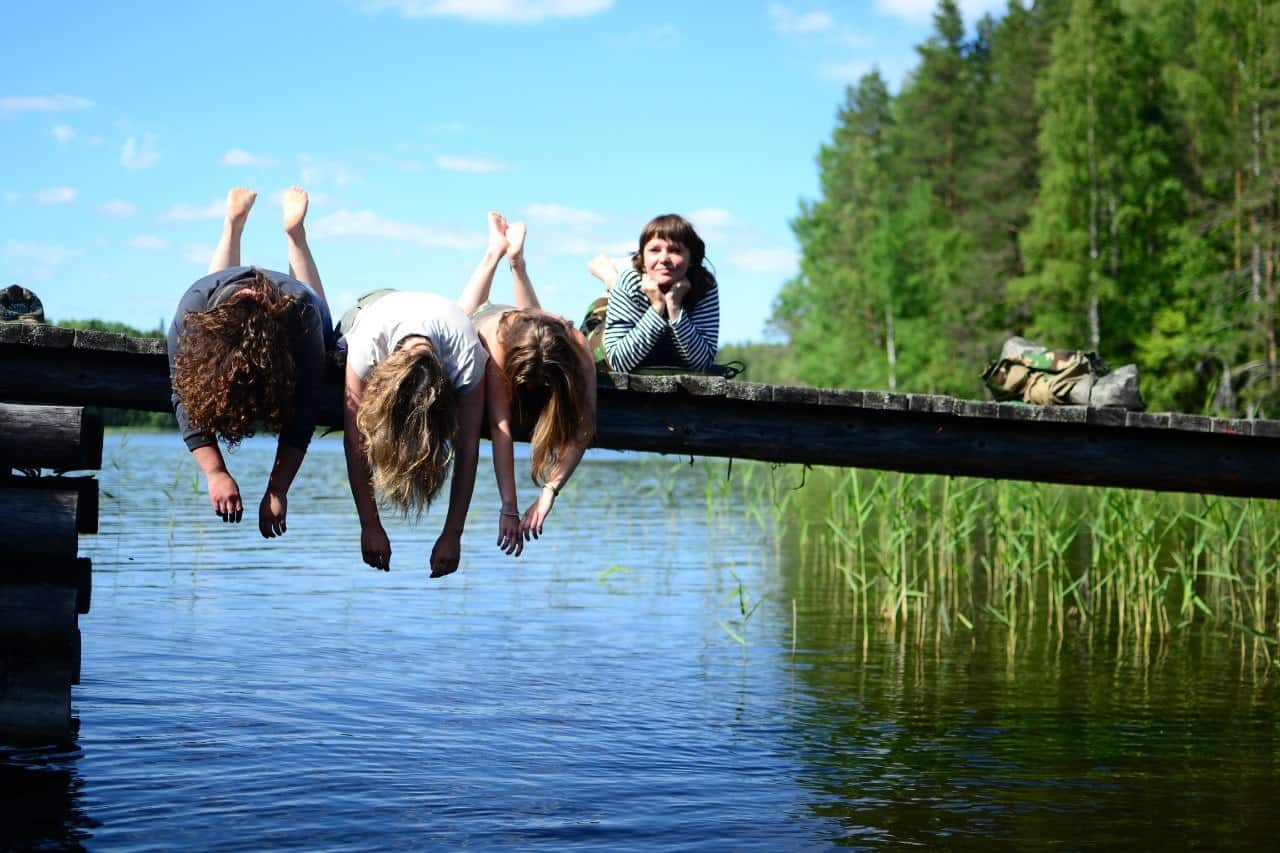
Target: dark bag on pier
x=19, y=305
x=1028, y=373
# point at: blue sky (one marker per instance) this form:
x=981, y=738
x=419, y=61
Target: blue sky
x=122, y=125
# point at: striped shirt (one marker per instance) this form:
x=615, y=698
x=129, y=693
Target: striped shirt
x=637, y=336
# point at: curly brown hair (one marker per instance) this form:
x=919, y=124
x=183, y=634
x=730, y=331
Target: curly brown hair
x=235, y=366
x=408, y=419
x=544, y=373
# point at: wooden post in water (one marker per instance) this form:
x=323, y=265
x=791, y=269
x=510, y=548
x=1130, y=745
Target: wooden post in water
x=44, y=586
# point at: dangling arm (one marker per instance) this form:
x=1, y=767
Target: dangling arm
x=375, y=547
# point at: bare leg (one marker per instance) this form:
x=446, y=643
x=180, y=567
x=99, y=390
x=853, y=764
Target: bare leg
x=301, y=265
x=604, y=268
x=476, y=291
x=227, y=254
x=525, y=297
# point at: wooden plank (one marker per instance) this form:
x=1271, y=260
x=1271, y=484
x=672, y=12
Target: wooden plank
x=64, y=438
x=37, y=615
x=1073, y=452
x=74, y=574
x=85, y=488
x=35, y=713
x=38, y=522
x=709, y=417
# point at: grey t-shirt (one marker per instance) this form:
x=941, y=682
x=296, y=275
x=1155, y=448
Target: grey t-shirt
x=314, y=338
x=381, y=325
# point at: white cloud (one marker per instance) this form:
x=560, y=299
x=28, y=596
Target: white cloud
x=41, y=254
x=63, y=133
x=921, y=11
x=844, y=72
x=777, y=261
x=43, y=104
x=474, y=165
x=787, y=21
x=240, y=157
x=140, y=155
x=118, y=207
x=197, y=253
x=364, y=223
x=184, y=212
x=711, y=217
x=148, y=242
x=94, y=141
x=493, y=11
x=558, y=214
x=55, y=195
x=316, y=171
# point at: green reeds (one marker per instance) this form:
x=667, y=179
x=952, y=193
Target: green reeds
x=931, y=553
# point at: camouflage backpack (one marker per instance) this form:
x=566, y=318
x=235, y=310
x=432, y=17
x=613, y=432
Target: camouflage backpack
x=1029, y=373
x=19, y=305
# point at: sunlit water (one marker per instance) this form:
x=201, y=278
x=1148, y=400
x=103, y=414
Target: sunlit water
x=602, y=691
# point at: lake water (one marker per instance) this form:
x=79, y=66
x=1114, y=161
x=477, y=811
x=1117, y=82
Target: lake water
x=601, y=691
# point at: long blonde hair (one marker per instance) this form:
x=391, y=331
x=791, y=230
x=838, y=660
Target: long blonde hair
x=544, y=373
x=408, y=420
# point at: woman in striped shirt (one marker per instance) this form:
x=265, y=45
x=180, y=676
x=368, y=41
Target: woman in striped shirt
x=663, y=310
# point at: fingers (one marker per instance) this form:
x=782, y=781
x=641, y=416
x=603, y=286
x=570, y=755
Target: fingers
x=380, y=560
x=230, y=510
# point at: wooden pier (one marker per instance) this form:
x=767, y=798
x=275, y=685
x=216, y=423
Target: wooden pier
x=728, y=418
x=48, y=374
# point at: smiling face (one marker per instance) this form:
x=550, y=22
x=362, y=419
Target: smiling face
x=665, y=262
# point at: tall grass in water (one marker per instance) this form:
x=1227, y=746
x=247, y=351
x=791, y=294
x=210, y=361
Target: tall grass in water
x=930, y=554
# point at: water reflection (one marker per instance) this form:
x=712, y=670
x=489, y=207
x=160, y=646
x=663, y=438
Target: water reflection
x=41, y=807
x=612, y=688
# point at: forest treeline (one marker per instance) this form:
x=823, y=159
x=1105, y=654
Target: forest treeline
x=1092, y=174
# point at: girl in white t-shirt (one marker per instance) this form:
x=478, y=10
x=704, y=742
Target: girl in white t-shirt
x=412, y=404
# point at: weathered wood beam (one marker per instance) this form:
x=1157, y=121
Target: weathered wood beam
x=39, y=523
x=714, y=417
x=75, y=574
x=60, y=437
x=84, y=488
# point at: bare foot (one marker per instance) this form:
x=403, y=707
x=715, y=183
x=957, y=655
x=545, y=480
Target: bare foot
x=295, y=209
x=516, y=232
x=497, y=233
x=239, y=203
x=603, y=268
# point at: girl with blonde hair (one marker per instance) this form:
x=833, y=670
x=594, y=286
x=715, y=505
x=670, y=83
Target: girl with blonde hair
x=412, y=407
x=540, y=365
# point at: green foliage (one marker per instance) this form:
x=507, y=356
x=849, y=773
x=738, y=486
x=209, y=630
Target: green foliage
x=1095, y=174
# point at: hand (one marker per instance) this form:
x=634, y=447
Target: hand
x=675, y=297
x=224, y=494
x=271, y=513
x=445, y=555
x=653, y=293
x=535, y=515
x=509, y=538
x=375, y=547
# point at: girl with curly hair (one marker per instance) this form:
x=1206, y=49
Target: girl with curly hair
x=663, y=308
x=247, y=348
x=542, y=364
x=412, y=406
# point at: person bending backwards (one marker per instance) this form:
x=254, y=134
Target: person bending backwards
x=247, y=347
x=412, y=406
x=542, y=364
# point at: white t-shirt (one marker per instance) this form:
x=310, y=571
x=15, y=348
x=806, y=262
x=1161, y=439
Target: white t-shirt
x=396, y=316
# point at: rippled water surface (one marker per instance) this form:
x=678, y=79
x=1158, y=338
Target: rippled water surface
x=602, y=691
